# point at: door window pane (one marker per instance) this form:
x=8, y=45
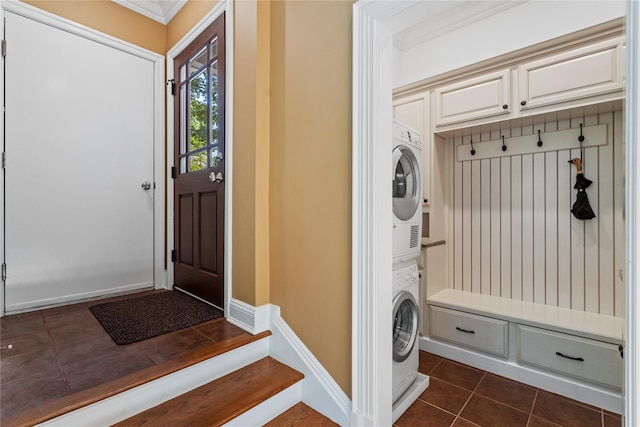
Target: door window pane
x=213, y=48
x=198, y=161
x=198, y=108
x=198, y=61
x=214, y=157
x=214, y=103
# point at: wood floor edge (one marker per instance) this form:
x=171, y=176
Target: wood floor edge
x=66, y=404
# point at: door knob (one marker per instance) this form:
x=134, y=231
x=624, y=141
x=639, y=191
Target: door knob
x=146, y=185
x=216, y=177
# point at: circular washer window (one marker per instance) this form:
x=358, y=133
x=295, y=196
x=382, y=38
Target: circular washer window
x=406, y=183
x=405, y=325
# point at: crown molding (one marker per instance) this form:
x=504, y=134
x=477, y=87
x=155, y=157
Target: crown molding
x=161, y=11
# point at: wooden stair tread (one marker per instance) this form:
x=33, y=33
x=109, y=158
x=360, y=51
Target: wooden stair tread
x=220, y=401
x=300, y=415
x=83, y=398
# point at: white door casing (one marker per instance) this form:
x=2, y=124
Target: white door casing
x=84, y=116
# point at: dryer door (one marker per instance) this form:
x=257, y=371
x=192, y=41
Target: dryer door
x=406, y=183
x=405, y=325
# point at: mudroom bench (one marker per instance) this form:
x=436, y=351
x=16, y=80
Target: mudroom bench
x=570, y=352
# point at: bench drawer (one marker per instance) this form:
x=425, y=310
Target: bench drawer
x=583, y=358
x=478, y=332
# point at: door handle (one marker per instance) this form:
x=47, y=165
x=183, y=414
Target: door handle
x=216, y=177
x=146, y=185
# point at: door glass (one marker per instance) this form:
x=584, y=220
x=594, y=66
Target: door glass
x=406, y=183
x=198, y=61
x=198, y=108
x=214, y=103
x=199, y=118
x=404, y=329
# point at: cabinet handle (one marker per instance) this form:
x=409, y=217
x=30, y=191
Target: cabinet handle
x=505, y=106
x=579, y=359
x=523, y=103
x=465, y=330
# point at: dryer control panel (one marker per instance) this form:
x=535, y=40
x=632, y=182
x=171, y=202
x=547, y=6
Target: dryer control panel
x=405, y=276
x=405, y=135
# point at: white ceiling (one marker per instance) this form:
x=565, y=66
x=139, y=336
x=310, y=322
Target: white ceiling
x=159, y=10
x=434, y=18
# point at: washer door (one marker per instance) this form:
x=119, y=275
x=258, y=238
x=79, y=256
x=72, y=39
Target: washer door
x=405, y=325
x=406, y=183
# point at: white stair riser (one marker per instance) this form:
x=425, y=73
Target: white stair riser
x=270, y=408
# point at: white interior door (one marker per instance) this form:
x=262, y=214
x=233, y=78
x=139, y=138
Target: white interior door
x=79, y=144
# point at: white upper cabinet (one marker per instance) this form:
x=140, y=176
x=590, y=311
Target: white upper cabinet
x=562, y=77
x=479, y=97
x=572, y=76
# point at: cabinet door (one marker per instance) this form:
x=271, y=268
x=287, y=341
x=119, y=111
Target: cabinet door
x=480, y=97
x=574, y=75
x=414, y=112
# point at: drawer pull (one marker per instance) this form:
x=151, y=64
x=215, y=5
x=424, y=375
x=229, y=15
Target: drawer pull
x=579, y=359
x=465, y=330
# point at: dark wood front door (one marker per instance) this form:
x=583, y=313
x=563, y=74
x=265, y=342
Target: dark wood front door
x=199, y=171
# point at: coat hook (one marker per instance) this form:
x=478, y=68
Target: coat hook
x=473, y=152
x=581, y=138
x=539, y=140
x=504, y=147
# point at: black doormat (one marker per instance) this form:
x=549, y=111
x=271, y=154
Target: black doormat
x=136, y=319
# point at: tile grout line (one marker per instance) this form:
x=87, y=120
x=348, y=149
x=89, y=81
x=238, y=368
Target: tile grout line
x=55, y=354
x=532, y=406
x=470, y=396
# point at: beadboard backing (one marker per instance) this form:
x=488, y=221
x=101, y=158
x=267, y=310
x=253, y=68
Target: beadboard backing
x=512, y=231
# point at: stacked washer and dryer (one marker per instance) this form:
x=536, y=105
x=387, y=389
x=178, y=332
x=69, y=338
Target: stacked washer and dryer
x=408, y=384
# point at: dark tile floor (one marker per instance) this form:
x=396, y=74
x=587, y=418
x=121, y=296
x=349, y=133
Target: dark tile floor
x=462, y=396
x=63, y=350
x=59, y=351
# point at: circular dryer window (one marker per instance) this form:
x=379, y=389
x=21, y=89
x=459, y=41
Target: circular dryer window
x=405, y=325
x=406, y=183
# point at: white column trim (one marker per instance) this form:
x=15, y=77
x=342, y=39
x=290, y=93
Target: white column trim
x=371, y=214
x=632, y=215
x=225, y=6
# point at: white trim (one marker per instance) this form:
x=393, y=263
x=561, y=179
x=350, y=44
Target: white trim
x=319, y=390
x=252, y=319
x=408, y=398
x=632, y=213
x=269, y=409
x=33, y=13
x=84, y=296
x=154, y=9
x=131, y=402
x=225, y=6
x=371, y=214
x=599, y=397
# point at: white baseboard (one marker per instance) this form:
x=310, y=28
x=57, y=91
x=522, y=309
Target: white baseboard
x=592, y=395
x=75, y=298
x=319, y=390
x=131, y=402
x=252, y=319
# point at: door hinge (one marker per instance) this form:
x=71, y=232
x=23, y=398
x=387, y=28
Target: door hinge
x=4, y=271
x=172, y=82
x=4, y=160
x=173, y=172
x=173, y=255
x=621, y=350
x=4, y=48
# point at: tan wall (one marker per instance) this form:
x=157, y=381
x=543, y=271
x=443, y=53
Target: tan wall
x=311, y=176
x=110, y=18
